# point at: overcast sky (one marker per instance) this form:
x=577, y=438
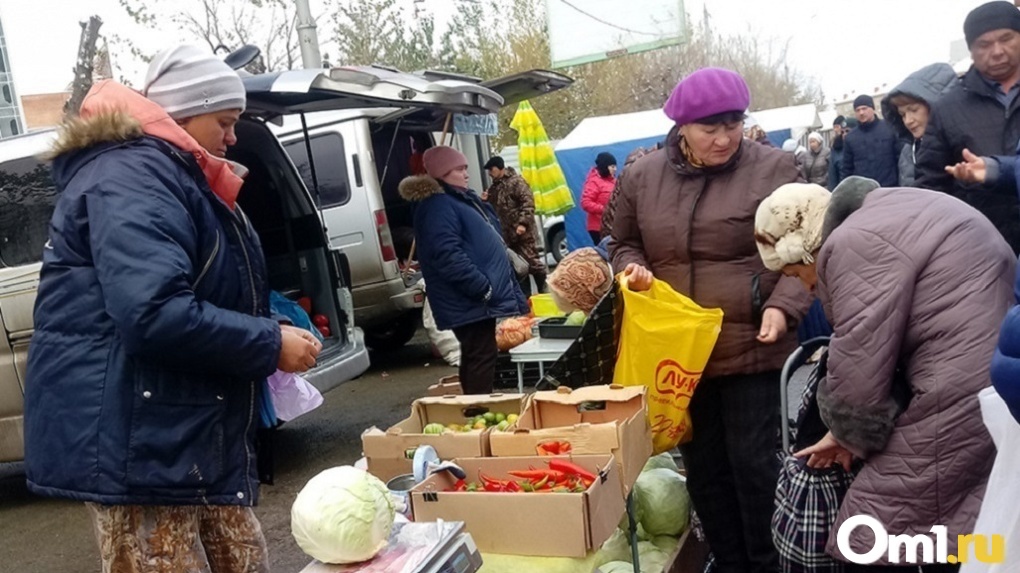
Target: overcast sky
x=846, y=45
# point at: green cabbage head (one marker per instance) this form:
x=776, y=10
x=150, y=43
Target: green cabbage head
x=662, y=502
x=342, y=515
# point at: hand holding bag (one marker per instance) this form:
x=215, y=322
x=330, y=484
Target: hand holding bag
x=665, y=342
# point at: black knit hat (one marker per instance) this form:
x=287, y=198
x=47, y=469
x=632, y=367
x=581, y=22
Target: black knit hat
x=495, y=161
x=603, y=161
x=864, y=99
x=997, y=15
x=840, y=121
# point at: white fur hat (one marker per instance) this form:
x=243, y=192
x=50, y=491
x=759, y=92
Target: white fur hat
x=788, y=225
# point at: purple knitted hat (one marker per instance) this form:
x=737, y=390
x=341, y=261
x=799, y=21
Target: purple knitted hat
x=705, y=93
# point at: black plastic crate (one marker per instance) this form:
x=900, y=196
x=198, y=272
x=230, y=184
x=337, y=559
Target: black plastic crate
x=555, y=328
x=506, y=373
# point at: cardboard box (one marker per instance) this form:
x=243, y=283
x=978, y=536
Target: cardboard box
x=619, y=427
x=447, y=386
x=386, y=451
x=542, y=524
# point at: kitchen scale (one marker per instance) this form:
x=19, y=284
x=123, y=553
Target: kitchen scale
x=426, y=547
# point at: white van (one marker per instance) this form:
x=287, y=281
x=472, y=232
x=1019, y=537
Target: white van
x=361, y=155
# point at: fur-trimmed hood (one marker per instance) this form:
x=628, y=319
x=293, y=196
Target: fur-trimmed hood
x=419, y=187
x=846, y=199
x=114, y=113
x=78, y=134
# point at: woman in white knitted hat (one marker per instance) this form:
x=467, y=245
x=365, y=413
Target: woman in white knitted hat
x=915, y=284
x=152, y=334
x=815, y=165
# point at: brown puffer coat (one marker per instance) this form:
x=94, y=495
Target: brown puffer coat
x=917, y=280
x=694, y=229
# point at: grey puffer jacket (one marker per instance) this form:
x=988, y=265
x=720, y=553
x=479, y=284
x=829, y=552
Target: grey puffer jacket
x=928, y=85
x=919, y=280
x=815, y=166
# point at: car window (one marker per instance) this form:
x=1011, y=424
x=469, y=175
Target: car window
x=27, y=197
x=330, y=167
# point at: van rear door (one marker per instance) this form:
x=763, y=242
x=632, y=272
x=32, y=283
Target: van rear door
x=358, y=87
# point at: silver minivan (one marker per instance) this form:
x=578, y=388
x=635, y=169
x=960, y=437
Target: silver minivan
x=360, y=157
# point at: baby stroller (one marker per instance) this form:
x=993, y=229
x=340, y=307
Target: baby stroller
x=807, y=499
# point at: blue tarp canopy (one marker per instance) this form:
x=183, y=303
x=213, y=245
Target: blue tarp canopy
x=617, y=134
x=623, y=133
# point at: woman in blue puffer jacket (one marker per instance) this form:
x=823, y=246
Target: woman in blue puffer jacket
x=152, y=336
x=464, y=262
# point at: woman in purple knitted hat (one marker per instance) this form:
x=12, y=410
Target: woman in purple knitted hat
x=686, y=216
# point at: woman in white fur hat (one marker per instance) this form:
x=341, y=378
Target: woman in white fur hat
x=915, y=284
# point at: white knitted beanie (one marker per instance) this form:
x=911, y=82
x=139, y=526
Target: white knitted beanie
x=187, y=81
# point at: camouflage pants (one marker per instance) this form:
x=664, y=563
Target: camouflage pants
x=179, y=539
x=527, y=247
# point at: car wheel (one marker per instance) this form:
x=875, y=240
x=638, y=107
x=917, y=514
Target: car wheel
x=395, y=334
x=559, y=245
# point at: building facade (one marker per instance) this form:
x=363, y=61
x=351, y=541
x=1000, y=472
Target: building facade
x=12, y=121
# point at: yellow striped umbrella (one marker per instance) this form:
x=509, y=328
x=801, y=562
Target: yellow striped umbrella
x=538, y=163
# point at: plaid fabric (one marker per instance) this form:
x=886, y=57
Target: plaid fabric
x=591, y=359
x=808, y=499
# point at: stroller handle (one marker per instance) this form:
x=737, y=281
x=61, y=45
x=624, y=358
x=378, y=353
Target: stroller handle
x=797, y=358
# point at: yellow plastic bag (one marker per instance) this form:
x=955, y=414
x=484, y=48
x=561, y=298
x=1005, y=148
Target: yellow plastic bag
x=665, y=343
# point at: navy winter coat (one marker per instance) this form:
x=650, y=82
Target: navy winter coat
x=462, y=255
x=873, y=151
x=151, y=339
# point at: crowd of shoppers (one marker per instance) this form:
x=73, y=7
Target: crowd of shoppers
x=905, y=228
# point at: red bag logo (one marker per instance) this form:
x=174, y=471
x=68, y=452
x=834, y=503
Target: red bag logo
x=671, y=378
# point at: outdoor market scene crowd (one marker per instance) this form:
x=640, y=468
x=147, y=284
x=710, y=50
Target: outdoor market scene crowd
x=898, y=239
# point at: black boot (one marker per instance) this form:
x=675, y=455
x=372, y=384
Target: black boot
x=540, y=283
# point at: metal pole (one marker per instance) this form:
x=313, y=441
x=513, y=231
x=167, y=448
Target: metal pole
x=309, y=40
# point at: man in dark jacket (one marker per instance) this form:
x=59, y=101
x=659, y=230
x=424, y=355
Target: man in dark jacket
x=872, y=150
x=981, y=114
x=152, y=336
x=468, y=277
x=839, y=132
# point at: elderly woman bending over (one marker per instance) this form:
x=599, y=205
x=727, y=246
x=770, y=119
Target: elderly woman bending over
x=915, y=284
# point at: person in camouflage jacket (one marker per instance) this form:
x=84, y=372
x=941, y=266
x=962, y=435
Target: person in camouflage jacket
x=511, y=197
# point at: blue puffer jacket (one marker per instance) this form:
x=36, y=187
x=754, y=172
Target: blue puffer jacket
x=873, y=151
x=1006, y=362
x=151, y=339
x=462, y=255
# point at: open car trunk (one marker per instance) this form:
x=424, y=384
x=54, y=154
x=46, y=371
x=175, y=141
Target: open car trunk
x=298, y=257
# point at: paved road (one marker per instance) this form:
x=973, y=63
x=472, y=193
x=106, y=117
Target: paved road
x=45, y=536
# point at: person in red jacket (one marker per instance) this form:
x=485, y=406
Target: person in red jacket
x=598, y=188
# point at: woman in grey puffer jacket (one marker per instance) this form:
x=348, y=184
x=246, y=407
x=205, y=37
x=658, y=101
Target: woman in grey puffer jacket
x=815, y=166
x=907, y=107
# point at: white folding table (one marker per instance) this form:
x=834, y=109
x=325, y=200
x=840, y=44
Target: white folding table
x=540, y=350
